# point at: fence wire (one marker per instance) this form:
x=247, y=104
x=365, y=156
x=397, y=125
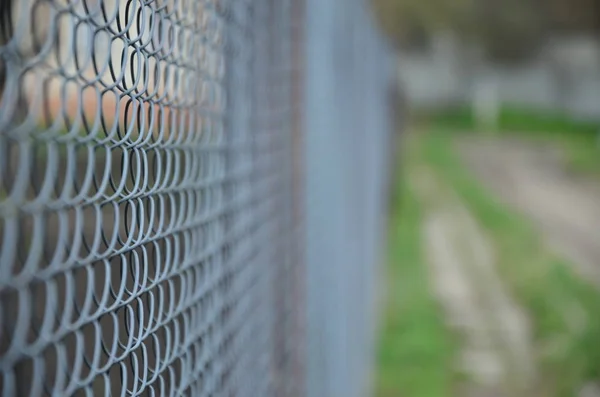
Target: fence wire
x=347, y=133
x=154, y=186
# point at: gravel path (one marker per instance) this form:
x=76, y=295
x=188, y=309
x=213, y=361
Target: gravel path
x=532, y=178
x=495, y=352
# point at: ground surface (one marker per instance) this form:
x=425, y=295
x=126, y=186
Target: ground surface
x=495, y=354
x=532, y=177
x=494, y=272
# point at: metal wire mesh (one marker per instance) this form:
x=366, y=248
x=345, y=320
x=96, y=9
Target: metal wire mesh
x=144, y=169
x=347, y=134
x=153, y=195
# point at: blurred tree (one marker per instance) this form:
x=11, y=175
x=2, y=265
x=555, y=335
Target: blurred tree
x=409, y=22
x=574, y=16
x=508, y=30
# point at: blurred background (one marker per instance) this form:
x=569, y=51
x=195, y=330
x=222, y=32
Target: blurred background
x=540, y=55
x=196, y=196
x=494, y=240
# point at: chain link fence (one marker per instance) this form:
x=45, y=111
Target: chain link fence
x=348, y=75
x=191, y=195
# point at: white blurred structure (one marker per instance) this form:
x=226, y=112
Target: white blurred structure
x=485, y=105
x=564, y=76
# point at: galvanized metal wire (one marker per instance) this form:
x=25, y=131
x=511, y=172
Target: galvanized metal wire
x=153, y=195
x=142, y=196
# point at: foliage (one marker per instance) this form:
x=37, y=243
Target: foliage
x=579, y=138
x=416, y=351
x=507, y=30
x=568, y=350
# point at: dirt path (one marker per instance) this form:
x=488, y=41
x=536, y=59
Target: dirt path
x=532, y=178
x=494, y=333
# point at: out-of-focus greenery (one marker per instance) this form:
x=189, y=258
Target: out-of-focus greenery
x=512, y=118
x=401, y=19
x=568, y=350
x=579, y=138
x=506, y=31
x=416, y=351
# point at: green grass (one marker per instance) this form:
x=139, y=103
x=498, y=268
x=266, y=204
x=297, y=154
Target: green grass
x=578, y=137
x=416, y=352
x=512, y=118
x=564, y=309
